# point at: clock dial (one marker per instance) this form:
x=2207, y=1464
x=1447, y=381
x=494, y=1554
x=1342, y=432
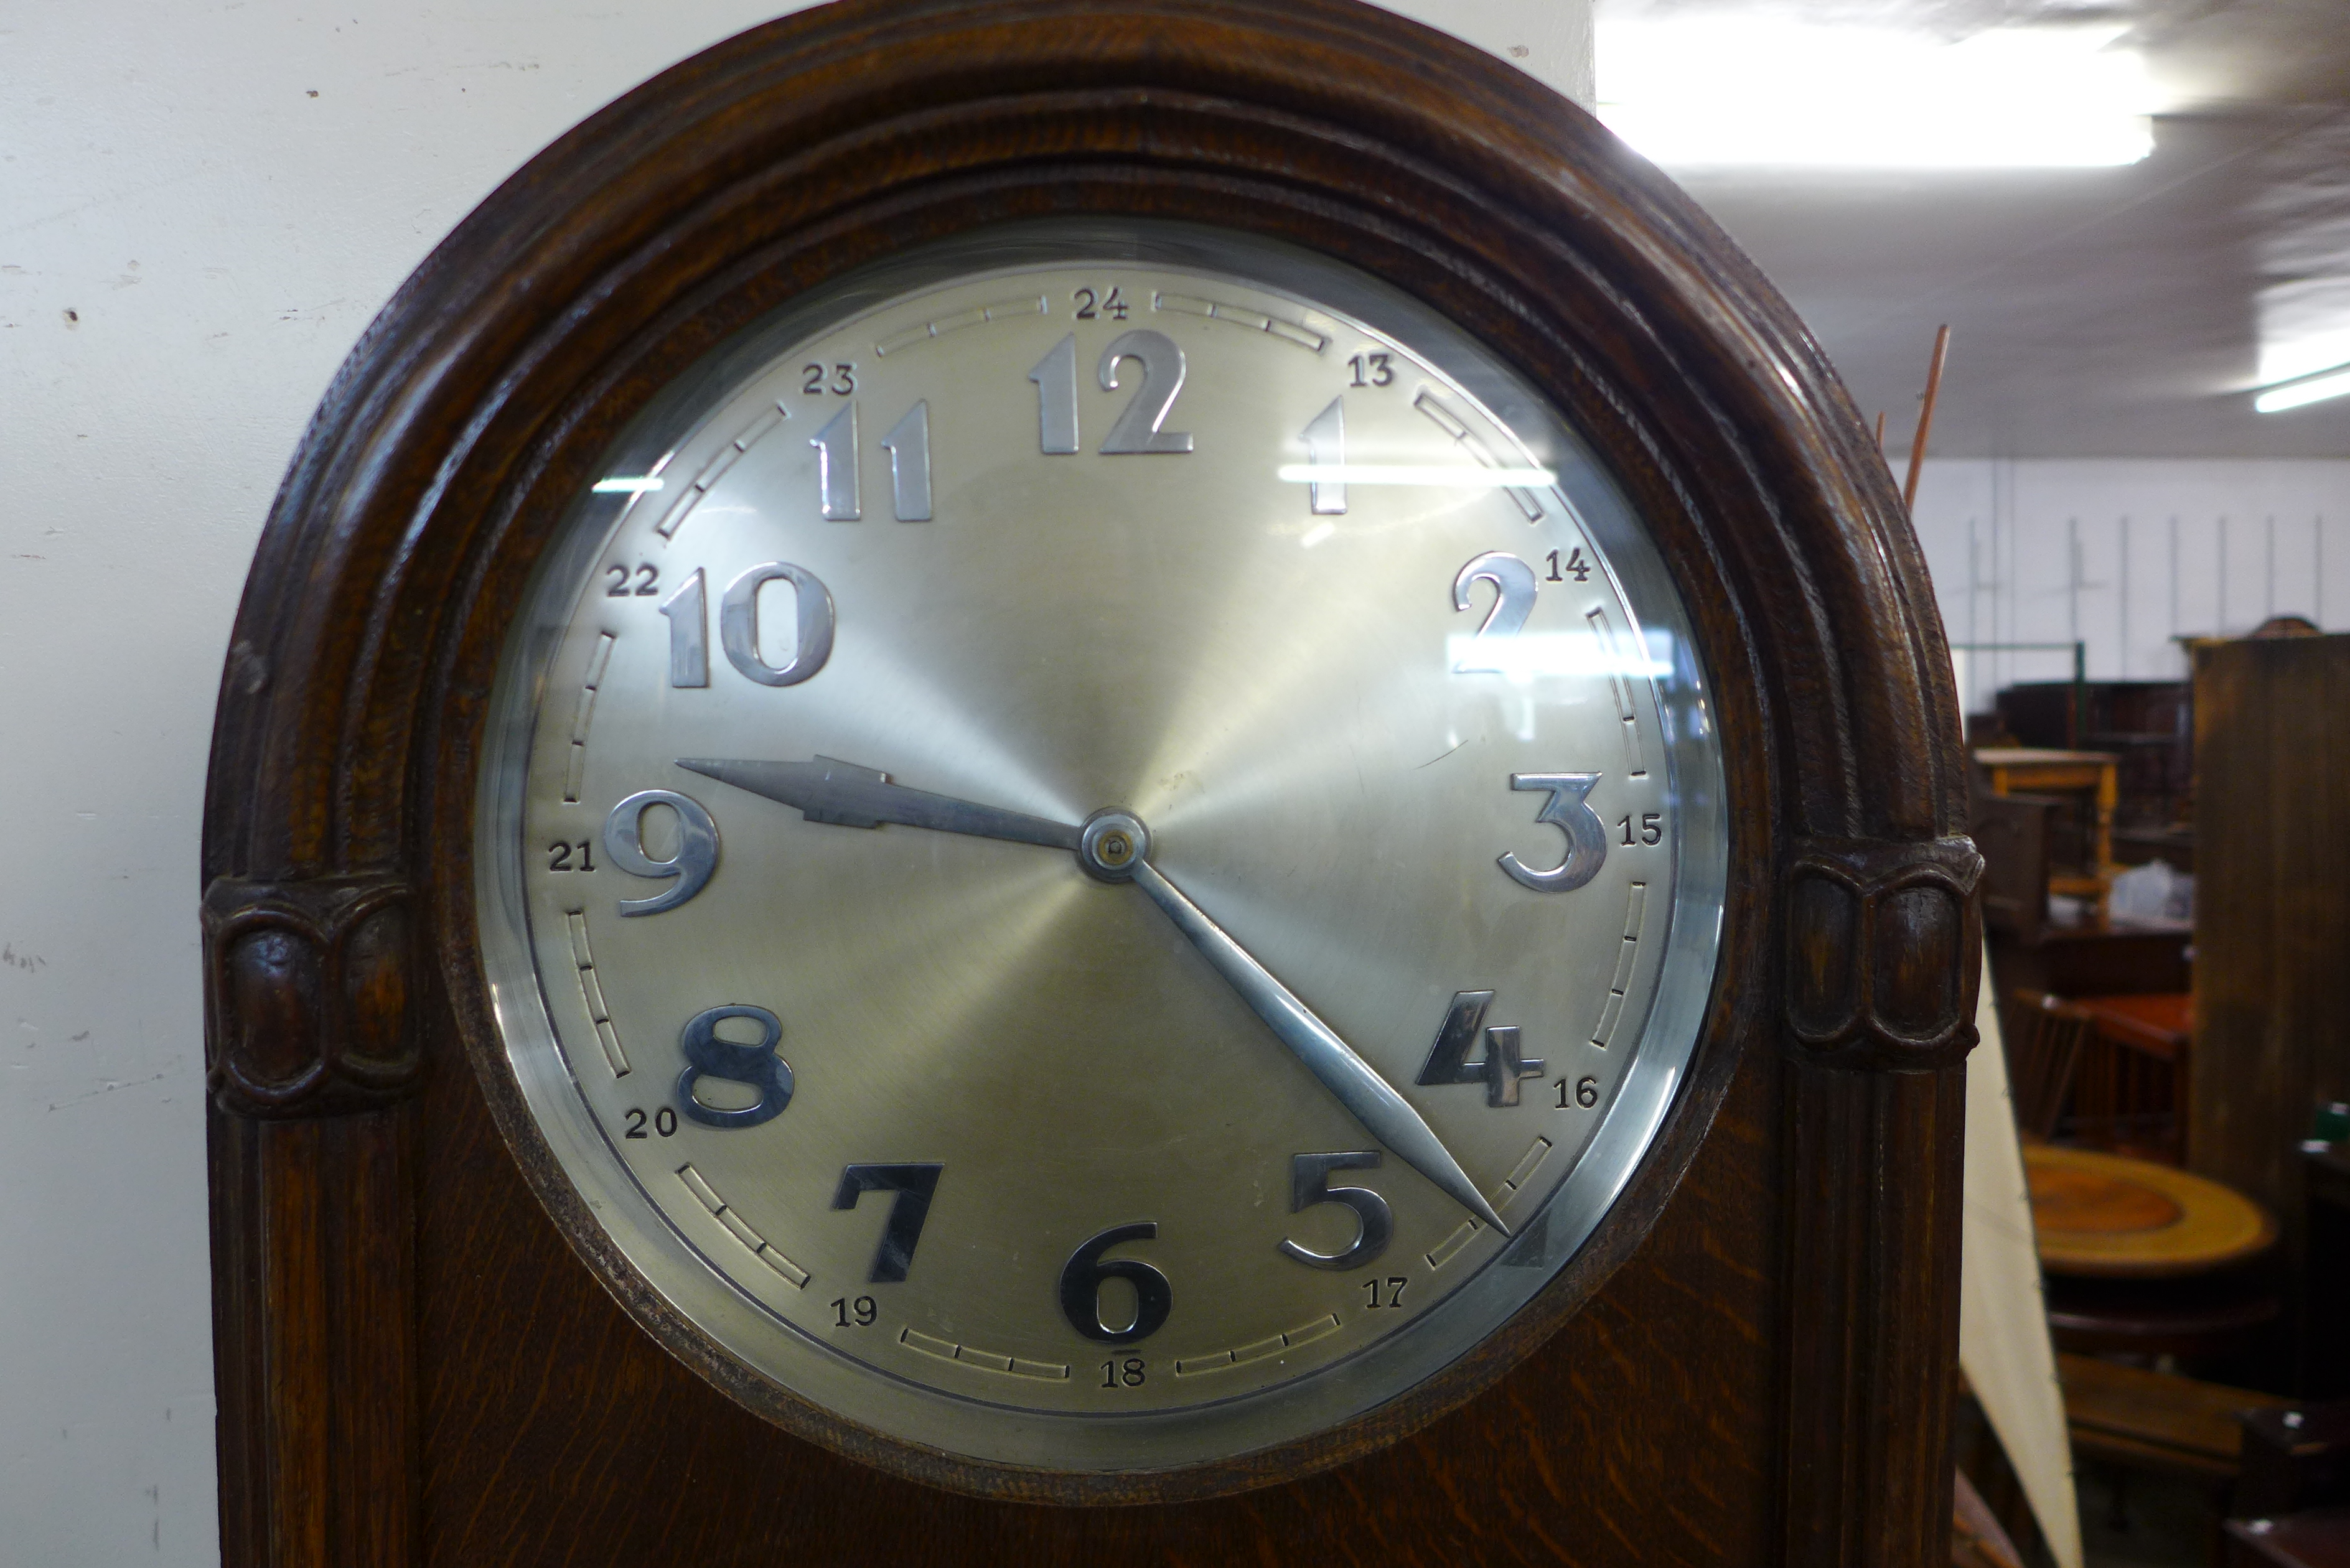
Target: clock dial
x=1101, y=849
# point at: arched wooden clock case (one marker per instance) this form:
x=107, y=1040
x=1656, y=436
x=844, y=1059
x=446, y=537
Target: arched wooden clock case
x=1748, y=1360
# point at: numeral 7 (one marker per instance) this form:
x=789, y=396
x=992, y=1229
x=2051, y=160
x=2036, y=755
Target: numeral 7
x=914, y=1185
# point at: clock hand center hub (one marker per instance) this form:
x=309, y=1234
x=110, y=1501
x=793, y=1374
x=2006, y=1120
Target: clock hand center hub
x=1111, y=843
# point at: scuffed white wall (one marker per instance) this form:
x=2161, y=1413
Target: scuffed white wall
x=201, y=206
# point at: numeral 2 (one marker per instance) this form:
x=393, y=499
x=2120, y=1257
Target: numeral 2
x=1514, y=599
x=1136, y=429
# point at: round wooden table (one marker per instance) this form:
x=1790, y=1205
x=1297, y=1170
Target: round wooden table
x=2106, y=1216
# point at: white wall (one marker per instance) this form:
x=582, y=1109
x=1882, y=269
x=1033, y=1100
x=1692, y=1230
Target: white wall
x=201, y=206
x=2126, y=556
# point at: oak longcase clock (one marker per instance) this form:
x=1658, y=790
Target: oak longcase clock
x=1011, y=781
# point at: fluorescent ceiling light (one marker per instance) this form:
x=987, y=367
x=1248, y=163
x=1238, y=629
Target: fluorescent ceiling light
x=630, y=486
x=1722, y=88
x=2293, y=395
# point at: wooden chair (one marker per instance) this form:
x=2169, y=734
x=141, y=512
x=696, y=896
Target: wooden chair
x=2127, y=1099
x=2045, y=1040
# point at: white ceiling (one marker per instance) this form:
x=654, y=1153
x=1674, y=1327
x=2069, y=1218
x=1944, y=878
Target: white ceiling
x=2094, y=312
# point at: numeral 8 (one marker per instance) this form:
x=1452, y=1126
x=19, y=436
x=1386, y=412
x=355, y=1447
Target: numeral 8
x=756, y=1066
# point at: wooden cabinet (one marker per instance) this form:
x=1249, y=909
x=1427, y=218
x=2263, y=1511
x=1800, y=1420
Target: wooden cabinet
x=2273, y=896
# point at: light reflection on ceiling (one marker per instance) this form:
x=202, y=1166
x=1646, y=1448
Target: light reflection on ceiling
x=2128, y=311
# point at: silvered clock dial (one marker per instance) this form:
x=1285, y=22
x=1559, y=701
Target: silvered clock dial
x=1101, y=849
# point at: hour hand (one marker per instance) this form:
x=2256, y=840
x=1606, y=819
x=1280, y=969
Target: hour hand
x=845, y=795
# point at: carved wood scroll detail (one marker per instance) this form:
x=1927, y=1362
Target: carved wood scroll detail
x=306, y=984
x=1881, y=939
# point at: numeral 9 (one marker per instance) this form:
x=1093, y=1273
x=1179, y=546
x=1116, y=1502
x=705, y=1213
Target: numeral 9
x=697, y=849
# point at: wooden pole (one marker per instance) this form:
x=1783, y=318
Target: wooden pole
x=1925, y=417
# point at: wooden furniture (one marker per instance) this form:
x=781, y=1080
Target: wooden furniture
x=2044, y=1038
x=2082, y=857
x=2013, y=831
x=2325, y=1271
x=1977, y=1538
x=2156, y=1421
x=2317, y=1539
x=2273, y=912
x=2106, y=1216
x=2147, y=1258
x=1750, y=1361
x=2126, y=1096
x=2295, y=1458
x=2094, y=958
x=2148, y=727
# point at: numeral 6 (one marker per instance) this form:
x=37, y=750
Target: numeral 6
x=1083, y=1276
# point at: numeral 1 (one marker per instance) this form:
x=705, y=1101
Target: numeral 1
x=687, y=610
x=836, y=466
x=1326, y=447
x=908, y=446
x=1055, y=375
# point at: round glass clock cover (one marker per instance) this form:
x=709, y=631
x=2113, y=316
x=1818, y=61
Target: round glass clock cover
x=1101, y=848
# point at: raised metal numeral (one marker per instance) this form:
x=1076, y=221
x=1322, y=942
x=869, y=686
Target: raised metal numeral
x=1326, y=447
x=914, y=1185
x=689, y=632
x=1309, y=1184
x=1566, y=810
x=753, y=1066
x=738, y=624
x=1055, y=375
x=1136, y=429
x=1514, y=599
x=836, y=466
x=908, y=446
x=697, y=849
x=1505, y=1062
x=1083, y=1275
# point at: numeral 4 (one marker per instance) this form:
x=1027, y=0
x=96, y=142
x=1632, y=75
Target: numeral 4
x=1504, y=1064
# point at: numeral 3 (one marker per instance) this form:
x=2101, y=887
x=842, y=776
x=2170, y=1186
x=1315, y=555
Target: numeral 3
x=1568, y=811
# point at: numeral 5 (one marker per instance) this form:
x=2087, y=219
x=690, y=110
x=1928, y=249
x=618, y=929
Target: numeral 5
x=1309, y=1184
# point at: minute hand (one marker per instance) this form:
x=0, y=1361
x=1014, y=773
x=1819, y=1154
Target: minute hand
x=1385, y=1114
